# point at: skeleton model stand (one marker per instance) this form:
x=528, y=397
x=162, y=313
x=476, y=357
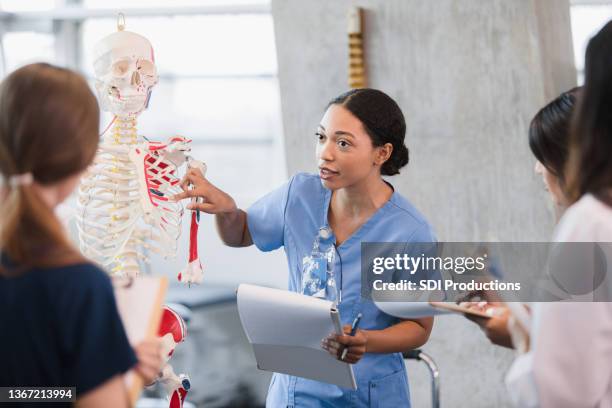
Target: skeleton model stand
x=123, y=207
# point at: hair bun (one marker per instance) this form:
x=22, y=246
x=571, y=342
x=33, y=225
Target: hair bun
x=399, y=158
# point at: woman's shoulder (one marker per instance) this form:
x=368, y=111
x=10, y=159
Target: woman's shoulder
x=82, y=269
x=76, y=277
x=404, y=208
x=304, y=184
x=589, y=204
x=306, y=180
x=406, y=214
x=588, y=219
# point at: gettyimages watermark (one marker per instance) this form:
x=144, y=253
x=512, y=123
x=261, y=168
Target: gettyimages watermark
x=513, y=271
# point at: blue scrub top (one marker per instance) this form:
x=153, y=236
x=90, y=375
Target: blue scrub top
x=291, y=217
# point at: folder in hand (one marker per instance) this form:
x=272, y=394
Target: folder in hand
x=139, y=302
x=286, y=329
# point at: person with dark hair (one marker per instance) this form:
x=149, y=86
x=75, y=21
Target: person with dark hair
x=359, y=139
x=569, y=355
x=549, y=135
x=58, y=318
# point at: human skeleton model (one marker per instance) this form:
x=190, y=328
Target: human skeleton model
x=123, y=207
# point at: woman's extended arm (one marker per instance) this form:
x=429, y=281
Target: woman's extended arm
x=231, y=221
x=233, y=228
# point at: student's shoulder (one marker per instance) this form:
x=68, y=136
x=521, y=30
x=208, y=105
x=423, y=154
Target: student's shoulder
x=80, y=276
x=407, y=215
x=76, y=287
x=588, y=219
x=591, y=206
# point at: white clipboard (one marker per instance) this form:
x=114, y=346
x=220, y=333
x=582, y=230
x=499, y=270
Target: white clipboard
x=286, y=329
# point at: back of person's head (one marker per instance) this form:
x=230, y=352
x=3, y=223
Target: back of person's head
x=49, y=123
x=382, y=120
x=549, y=133
x=590, y=166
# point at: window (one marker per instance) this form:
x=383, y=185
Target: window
x=587, y=19
x=23, y=47
x=27, y=5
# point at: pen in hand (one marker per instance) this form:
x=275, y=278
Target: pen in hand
x=354, y=327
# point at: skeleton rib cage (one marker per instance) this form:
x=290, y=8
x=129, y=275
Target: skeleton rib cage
x=123, y=210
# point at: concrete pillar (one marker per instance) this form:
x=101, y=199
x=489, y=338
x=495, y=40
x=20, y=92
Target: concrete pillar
x=469, y=75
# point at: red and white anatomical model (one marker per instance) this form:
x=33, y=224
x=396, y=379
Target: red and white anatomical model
x=194, y=273
x=172, y=331
x=124, y=211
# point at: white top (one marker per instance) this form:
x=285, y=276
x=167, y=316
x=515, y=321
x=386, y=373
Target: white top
x=570, y=361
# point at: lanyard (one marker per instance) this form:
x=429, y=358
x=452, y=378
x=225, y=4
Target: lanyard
x=340, y=274
x=325, y=233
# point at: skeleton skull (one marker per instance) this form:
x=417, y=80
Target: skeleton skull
x=125, y=72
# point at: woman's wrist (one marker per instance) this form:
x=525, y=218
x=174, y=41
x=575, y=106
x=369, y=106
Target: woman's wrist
x=230, y=214
x=367, y=334
x=230, y=207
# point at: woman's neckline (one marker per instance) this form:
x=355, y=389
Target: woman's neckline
x=364, y=227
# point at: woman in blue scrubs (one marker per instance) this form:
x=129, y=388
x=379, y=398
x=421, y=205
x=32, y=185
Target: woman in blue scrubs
x=359, y=140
